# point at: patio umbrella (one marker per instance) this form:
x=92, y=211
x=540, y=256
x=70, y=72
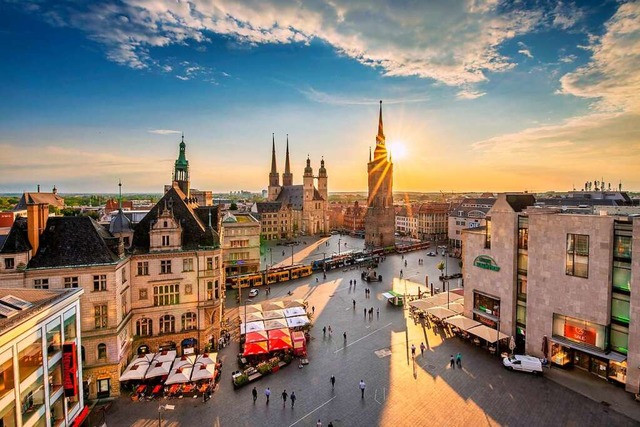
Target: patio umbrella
x=207, y=358
x=488, y=334
x=256, y=336
x=179, y=376
x=203, y=372
x=294, y=311
x=512, y=343
x=135, y=372
x=294, y=322
x=280, y=344
x=275, y=324
x=251, y=317
x=251, y=327
x=183, y=361
x=455, y=306
x=273, y=314
x=440, y=312
x=279, y=333
x=272, y=305
x=255, y=348
x=165, y=356
x=462, y=322
x=294, y=303
x=253, y=308
x=158, y=369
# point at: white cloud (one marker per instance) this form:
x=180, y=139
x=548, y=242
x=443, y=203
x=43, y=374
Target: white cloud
x=456, y=43
x=526, y=52
x=163, y=131
x=332, y=99
x=183, y=78
x=469, y=94
x=567, y=59
x=566, y=15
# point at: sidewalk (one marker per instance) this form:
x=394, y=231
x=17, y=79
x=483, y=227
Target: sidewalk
x=596, y=389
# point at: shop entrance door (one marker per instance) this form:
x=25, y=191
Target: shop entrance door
x=581, y=360
x=598, y=367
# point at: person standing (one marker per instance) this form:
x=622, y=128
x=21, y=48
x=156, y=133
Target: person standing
x=362, y=387
x=378, y=312
x=324, y=331
x=293, y=399
x=422, y=348
x=319, y=423
x=267, y=393
x=254, y=393
x=452, y=362
x=333, y=381
x=313, y=309
x=330, y=330
x=354, y=304
x=344, y=334
x=459, y=360
x=413, y=351
x=284, y=398
x=365, y=312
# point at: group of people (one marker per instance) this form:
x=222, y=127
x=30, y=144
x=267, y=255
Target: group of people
x=284, y=395
x=456, y=361
x=370, y=312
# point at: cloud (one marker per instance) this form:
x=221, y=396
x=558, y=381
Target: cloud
x=455, y=43
x=566, y=15
x=567, y=59
x=332, y=99
x=469, y=94
x=526, y=53
x=164, y=131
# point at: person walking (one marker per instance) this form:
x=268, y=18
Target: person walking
x=354, y=304
x=330, y=330
x=319, y=423
x=452, y=362
x=267, y=393
x=413, y=351
x=365, y=312
x=422, y=348
x=344, y=334
x=362, y=387
x=378, y=312
x=254, y=393
x=330, y=424
x=284, y=398
x=324, y=331
x=293, y=399
x=333, y=381
x=459, y=360
x=313, y=309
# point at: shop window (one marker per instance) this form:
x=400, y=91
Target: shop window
x=579, y=330
x=6, y=374
x=485, y=304
x=55, y=378
x=620, y=307
x=622, y=276
x=578, y=255
x=30, y=355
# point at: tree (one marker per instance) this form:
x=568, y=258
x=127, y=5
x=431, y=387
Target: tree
x=233, y=206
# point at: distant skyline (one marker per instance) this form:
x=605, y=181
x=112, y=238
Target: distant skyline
x=479, y=95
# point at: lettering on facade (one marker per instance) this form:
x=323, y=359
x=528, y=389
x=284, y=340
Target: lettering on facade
x=70, y=369
x=486, y=262
x=585, y=335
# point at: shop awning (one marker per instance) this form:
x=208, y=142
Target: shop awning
x=183, y=361
x=202, y=371
x=616, y=357
x=275, y=324
x=294, y=322
x=279, y=333
x=462, y=322
x=440, y=312
x=255, y=348
x=272, y=305
x=273, y=314
x=486, y=333
x=207, y=358
x=179, y=375
x=389, y=295
x=256, y=336
x=137, y=368
x=280, y=344
x=294, y=311
x=251, y=327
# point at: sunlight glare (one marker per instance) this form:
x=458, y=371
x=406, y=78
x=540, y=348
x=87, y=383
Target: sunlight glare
x=398, y=149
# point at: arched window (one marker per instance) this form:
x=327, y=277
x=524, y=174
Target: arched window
x=189, y=321
x=102, y=351
x=167, y=324
x=144, y=327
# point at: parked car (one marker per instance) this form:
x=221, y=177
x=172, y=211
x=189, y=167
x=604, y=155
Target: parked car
x=431, y=254
x=523, y=363
x=253, y=293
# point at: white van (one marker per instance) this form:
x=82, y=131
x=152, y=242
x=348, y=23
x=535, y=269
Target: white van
x=523, y=363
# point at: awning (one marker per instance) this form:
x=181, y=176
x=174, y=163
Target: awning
x=165, y=356
x=273, y=314
x=255, y=348
x=616, y=357
x=275, y=324
x=137, y=368
x=203, y=371
x=158, y=369
x=183, y=361
x=462, y=322
x=294, y=303
x=294, y=322
x=251, y=317
x=179, y=375
x=279, y=333
x=280, y=344
x=440, y=312
x=207, y=358
x=256, y=336
x=440, y=299
x=294, y=311
x=388, y=295
x=272, y=305
x=486, y=333
x=251, y=327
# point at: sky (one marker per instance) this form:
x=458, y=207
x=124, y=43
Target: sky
x=478, y=95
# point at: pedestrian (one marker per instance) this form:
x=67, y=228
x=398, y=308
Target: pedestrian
x=330, y=424
x=293, y=399
x=324, y=331
x=344, y=334
x=459, y=360
x=452, y=362
x=413, y=350
x=319, y=423
x=333, y=381
x=422, y=348
x=313, y=309
x=316, y=280
x=365, y=312
x=284, y=398
x=330, y=330
x=363, y=385
x=354, y=304
x=378, y=312
x=267, y=393
x=254, y=393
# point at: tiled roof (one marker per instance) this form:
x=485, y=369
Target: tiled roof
x=17, y=240
x=39, y=198
x=520, y=202
x=292, y=195
x=74, y=241
x=268, y=207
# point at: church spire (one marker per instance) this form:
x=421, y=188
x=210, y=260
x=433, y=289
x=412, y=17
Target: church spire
x=181, y=169
x=119, y=194
x=287, y=168
x=380, y=136
x=287, y=176
x=273, y=154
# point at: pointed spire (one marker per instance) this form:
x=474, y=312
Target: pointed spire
x=273, y=154
x=380, y=136
x=287, y=168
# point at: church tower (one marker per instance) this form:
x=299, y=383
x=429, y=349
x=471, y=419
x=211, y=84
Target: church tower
x=380, y=216
x=287, y=176
x=181, y=170
x=322, y=181
x=274, y=177
x=307, y=181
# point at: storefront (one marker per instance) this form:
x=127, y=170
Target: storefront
x=486, y=309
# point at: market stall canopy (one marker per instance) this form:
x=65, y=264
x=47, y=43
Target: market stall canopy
x=273, y=314
x=251, y=327
x=183, y=361
x=282, y=343
x=294, y=322
x=207, y=358
x=256, y=336
x=440, y=312
x=158, y=369
x=279, y=333
x=458, y=307
x=252, y=308
x=421, y=304
x=294, y=311
x=275, y=324
x=165, y=356
x=255, y=348
x=179, y=375
x=462, y=322
x=294, y=303
x=486, y=333
x=202, y=371
x=251, y=317
x=135, y=372
x=272, y=305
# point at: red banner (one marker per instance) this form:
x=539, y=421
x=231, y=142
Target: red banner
x=70, y=369
x=585, y=335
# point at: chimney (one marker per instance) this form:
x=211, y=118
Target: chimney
x=38, y=188
x=37, y=215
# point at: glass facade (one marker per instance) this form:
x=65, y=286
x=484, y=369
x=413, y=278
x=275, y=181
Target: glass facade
x=54, y=338
x=580, y=331
x=70, y=328
x=32, y=399
x=8, y=415
x=578, y=255
x=30, y=355
x=6, y=373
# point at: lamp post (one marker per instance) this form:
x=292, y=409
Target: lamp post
x=161, y=408
x=339, y=240
x=270, y=258
x=445, y=281
x=291, y=254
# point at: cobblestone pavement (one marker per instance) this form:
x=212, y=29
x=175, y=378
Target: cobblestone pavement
x=399, y=390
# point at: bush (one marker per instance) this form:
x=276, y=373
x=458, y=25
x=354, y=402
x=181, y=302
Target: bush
x=264, y=368
x=241, y=380
x=288, y=358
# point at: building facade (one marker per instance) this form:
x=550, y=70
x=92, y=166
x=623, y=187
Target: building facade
x=240, y=239
x=433, y=220
x=469, y=213
x=561, y=284
x=380, y=217
x=353, y=220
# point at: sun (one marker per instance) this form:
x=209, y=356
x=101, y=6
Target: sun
x=398, y=149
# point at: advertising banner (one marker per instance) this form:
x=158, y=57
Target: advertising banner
x=70, y=369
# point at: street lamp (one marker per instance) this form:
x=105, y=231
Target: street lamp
x=161, y=408
x=270, y=258
x=445, y=280
x=339, y=240
x=291, y=254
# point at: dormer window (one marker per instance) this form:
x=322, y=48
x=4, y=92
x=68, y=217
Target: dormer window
x=165, y=240
x=166, y=224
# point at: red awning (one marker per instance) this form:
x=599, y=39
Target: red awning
x=254, y=348
x=256, y=336
x=279, y=333
x=81, y=417
x=280, y=344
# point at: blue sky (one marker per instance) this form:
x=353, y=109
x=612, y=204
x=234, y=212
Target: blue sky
x=478, y=95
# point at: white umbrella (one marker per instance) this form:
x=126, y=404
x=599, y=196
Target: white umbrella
x=158, y=369
x=275, y=324
x=294, y=322
x=165, y=356
x=179, y=375
x=184, y=361
x=252, y=326
x=273, y=314
x=203, y=371
x=135, y=372
x=207, y=358
x=294, y=311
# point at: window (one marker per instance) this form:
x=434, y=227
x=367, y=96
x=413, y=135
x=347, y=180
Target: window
x=144, y=327
x=54, y=338
x=100, y=282
x=101, y=316
x=142, y=294
x=189, y=321
x=102, y=351
x=216, y=263
x=209, y=291
x=620, y=308
x=487, y=234
x=6, y=379
x=165, y=267
x=165, y=240
x=521, y=314
x=123, y=275
x=578, y=255
x=143, y=268
x=622, y=247
x=188, y=289
x=166, y=295
x=522, y=287
x=167, y=324
x=9, y=263
x=619, y=338
x=71, y=282
x=523, y=232
x=210, y=261
x=622, y=275
x=41, y=283
x=187, y=264
x=217, y=290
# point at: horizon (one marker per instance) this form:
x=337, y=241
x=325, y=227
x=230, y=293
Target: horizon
x=477, y=97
